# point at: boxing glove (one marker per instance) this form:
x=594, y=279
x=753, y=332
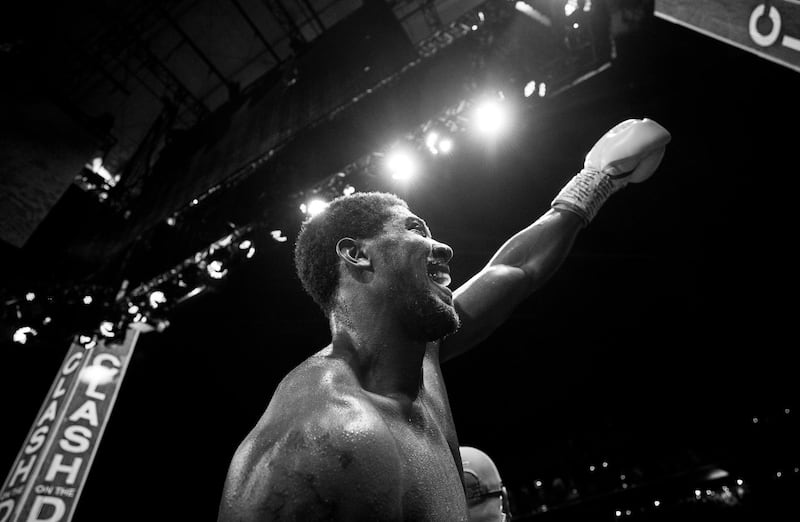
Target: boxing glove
x=628, y=153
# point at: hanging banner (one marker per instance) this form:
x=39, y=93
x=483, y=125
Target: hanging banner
x=19, y=480
x=770, y=30
x=47, y=479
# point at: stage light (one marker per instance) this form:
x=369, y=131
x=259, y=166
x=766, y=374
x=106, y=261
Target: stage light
x=107, y=329
x=401, y=164
x=30, y=296
x=527, y=10
x=431, y=139
x=133, y=309
x=22, y=334
x=171, y=221
x=542, y=89
x=244, y=245
x=570, y=7
x=87, y=299
x=445, y=145
x=656, y=503
x=348, y=190
x=313, y=207
x=530, y=88
x=157, y=298
x=278, y=236
x=215, y=269
x=436, y=143
x=47, y=320
x=97, y=167
x=490, y=117
x=576, y=25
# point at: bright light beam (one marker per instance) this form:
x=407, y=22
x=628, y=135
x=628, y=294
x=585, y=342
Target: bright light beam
x=401, y=164
x=490, y=118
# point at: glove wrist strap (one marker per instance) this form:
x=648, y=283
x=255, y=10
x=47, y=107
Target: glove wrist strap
x=585, y=193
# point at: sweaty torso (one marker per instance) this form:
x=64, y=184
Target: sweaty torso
x=418, y=467
x=428, y=449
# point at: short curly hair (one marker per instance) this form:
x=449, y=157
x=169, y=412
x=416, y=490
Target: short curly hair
x=361, y=215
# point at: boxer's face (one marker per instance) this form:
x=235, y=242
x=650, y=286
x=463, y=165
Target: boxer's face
x=414, y=268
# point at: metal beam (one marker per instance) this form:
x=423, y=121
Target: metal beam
x=256, y=30
x=195, y=48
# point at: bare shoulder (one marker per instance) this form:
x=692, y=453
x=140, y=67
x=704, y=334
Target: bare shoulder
x=320, y=452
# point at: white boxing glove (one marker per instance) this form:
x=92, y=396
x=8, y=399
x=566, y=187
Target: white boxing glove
x=628, y=153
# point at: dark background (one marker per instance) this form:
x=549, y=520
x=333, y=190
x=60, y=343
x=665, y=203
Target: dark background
x=665, y=333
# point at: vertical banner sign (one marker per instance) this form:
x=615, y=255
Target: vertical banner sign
x=770, y=29
x=20, y=478
x=46, y=481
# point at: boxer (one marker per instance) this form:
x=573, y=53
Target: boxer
x=362, y=429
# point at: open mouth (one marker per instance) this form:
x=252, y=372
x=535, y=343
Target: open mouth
x=439, y=274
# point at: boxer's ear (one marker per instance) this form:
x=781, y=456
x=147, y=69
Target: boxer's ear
x=352, y=252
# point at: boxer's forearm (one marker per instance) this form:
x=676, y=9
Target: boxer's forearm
x=540, y=248
x=521, y=265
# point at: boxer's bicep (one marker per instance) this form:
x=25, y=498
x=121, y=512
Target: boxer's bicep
x=483, y=303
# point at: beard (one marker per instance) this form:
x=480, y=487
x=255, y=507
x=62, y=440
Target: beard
x=425, y=315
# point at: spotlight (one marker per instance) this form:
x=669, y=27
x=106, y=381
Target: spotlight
x=542, y=89
x=22, y=334
x=570, y=7
x=431, y=139
x=530, y=88
x=348, y=190
x=244, y=245
x=87, y=341
x=490, y=117
x=401, y=164
x=445, y=145
x=30, y=296
x=313, y=207
x=107, y=329
x=87, y=299
x=436, y=143
x=157, y=298
x=278, y=236
x=216, y=270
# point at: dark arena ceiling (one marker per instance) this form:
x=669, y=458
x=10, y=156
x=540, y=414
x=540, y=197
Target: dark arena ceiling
x=659, y=352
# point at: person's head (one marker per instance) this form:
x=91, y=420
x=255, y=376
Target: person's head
x=374, y=240
x=486, y=496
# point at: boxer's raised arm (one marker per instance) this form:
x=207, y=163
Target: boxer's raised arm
x=628, y=153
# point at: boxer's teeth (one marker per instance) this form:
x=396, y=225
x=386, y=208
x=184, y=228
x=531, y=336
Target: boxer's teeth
x=440, y=278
